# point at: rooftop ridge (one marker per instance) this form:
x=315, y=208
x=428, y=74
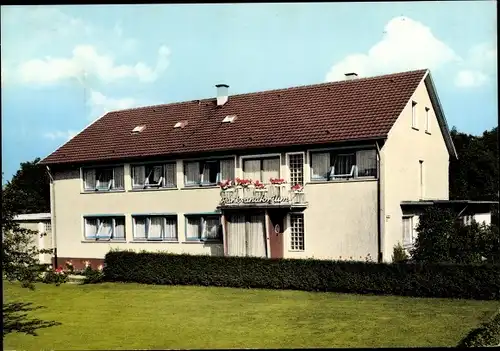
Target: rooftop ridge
x=305, y=86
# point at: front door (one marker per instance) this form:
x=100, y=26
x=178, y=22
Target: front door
x=276, y=227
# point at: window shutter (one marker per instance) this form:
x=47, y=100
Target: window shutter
x=89, y=179
x=139, y=175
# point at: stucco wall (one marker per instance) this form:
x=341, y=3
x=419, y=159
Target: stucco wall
x=401, y=153
x=340, y=222
x=44, y=242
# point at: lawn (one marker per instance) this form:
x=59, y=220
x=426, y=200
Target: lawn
x=132, y=316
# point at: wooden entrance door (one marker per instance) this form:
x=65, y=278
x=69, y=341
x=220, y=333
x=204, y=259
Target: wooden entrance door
x=276, y=228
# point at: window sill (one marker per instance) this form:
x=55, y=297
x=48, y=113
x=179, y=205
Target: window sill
x=208, y=186
x=153, y=241
x=296, y=250
x=415, y=128
x=102, y=191
x=352, y=180
x=427, y=132
x=202, y=242
x=152, y=189
x=104, y=241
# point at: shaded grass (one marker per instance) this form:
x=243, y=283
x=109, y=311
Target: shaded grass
x=132, y=316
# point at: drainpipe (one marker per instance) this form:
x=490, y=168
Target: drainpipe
x=379, y=220
x=53, y=216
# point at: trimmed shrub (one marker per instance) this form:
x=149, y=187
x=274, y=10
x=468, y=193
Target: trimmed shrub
x=488, y=334
x=480, y=282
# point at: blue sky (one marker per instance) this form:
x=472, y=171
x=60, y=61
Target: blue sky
x=65, y=66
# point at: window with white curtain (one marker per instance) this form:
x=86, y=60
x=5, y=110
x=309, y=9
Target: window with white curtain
x=203, y=227
x=155, y=228
x=208, y=172
x=262, y=169
x=103, y=178
x=105, y=228
x=326, y=166
x=297, y=232
x=408, y=236
x=154, y=175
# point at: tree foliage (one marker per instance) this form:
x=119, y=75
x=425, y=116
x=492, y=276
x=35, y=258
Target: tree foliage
x=442, y=238
x=29, y=189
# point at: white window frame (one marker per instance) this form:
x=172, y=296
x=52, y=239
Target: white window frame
x=289, y=171
x=202, y=217
x=162, y=184
x=260, y=157
x=342, y=151
x=207, y=159
x=289, y=230
x=414, y=115
x=111, y=186
x=428, y=120
x=407, y=245
x=147, y=218
x=99, y=219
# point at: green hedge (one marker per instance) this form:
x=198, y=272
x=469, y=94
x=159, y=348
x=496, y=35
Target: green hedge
x=480, y=282
x=488, y=334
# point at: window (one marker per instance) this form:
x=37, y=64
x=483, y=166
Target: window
x=154, y=176
x=414, y=121
x=103, y=178
x=47, y=227
x=421, y=178
x=155, y=228
x=296, y=164
x=208, y=172
x=296, y=232
x=342, y=165
x=105, y=228
x=408, y=231
x=203, y=227
x=262, y=169
x=427, y=120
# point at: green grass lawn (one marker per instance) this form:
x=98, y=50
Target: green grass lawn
x=132, y=316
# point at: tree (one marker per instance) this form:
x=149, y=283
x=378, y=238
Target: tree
x=29, y=189
x=19, y=251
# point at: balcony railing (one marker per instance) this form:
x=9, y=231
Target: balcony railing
x=274, y=195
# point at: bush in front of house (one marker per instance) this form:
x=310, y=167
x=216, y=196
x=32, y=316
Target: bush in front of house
x=442, y=238
x=399, y=254
x=488, y=334
x=407, y=279
x=93, y=276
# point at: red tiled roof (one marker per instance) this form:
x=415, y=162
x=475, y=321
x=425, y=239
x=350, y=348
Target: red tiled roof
x=362, y=108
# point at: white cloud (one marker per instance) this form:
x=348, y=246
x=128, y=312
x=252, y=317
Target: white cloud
x=407, y=44
x=470, y=79
x=86, y=60
x=477, y=68
x=57, y=134
x=101, y=104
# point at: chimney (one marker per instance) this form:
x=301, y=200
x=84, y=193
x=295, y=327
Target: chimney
x=350, y=76
x=222, y=94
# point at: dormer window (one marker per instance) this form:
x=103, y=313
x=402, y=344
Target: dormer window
x=229, y=119
x=138, y=129
x=181, y=124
